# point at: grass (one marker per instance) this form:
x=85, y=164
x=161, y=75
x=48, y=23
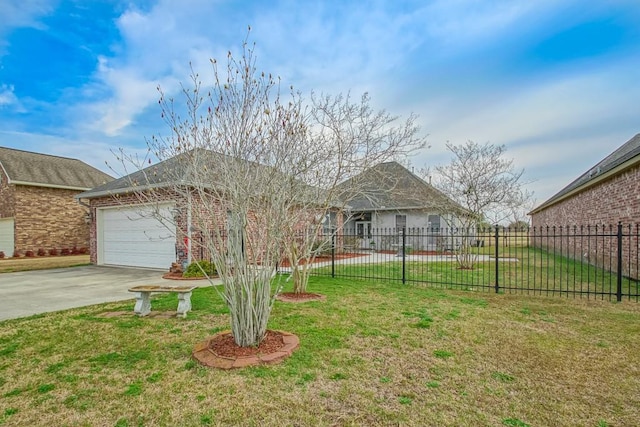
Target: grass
x=478, y=359
x=521, y=270
x=9, y=265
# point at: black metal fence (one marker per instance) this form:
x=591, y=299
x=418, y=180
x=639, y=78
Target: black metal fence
x=599, y=261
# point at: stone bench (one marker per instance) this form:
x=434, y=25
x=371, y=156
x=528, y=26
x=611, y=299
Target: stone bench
x=143, y=300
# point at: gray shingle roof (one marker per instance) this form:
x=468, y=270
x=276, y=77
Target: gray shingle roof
x=392, y=186
x=155, y=176
x=626, y=152
x=29, y=168
x=195, y=166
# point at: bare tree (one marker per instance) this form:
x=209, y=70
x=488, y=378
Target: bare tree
x=255, y=175
x=486, y=184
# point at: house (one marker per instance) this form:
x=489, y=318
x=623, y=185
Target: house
x=37, y=206
x=143, y=220
x=586, y=213
x=121, y=233
x=387, y=198
x=607, y=193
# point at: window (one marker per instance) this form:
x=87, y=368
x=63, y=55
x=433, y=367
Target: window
x=434, y=222
x=401, y=221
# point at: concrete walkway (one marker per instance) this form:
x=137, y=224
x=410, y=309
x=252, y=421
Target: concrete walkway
x=33, y=292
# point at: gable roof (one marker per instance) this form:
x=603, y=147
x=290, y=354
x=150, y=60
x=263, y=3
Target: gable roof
x=43, y=170
x=188, y=168
x=154, y=176
x=621, y=159
x=391, y=186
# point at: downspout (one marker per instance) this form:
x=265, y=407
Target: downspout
x=88, y=206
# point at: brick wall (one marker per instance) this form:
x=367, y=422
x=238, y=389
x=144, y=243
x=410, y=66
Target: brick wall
x=605, y=204
x=617, y=199
x=48, y=218
x=7, y=197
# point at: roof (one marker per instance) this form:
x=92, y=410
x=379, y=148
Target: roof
x=188, y=168
x=624, y=157
x=162, y=174
x=43, y=170
x=391, y=186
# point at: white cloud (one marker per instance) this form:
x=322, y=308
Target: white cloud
x=21, y=13
x=8, y=99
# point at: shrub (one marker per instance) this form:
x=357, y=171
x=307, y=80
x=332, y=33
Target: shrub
x=41, y=252
x=75, y=251
x=29, y=254
x=53, y=252
x=195, y=269
x=1, y=255
x=83, y=251
x=65, y=251
x=16, y=254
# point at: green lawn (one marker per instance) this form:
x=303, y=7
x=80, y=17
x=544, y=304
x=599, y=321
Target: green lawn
x=373, y=353
x=521, y=270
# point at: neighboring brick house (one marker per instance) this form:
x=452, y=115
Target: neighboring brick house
x=37, y=205
x=605, y=195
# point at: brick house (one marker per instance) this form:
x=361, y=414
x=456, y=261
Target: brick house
x=592, y=205
x=607, y=193
x=127, y=230
x=37, y=205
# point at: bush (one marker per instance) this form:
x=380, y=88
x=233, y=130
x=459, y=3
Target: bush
x=195, y=269
x=83, y=251
x=29, y=254
x=53, y=252
x=41, y=252
x=65, y=251
x=16, y=254
x=2, y=255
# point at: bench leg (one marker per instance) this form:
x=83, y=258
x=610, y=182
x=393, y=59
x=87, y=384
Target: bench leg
x=143, y=304
x=184, y=303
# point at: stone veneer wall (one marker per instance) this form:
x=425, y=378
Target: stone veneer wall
x=605, y=204
x=7, y=197
x=47, y=218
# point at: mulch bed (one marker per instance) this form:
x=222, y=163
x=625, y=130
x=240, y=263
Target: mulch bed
x=321, y=258
x=412, y=252
x=178, y=276
x=221, y=351
x=224, y=345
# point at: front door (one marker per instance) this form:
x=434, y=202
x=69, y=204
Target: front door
x=363, y=231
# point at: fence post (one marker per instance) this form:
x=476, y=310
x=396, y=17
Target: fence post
x=497, y=246
x=619, y=288
x=333, y=255
x=404, y=242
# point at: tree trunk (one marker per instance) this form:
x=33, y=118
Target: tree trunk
x=300, y=278
x=248, y=294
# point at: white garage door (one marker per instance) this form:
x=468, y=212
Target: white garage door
x=6, y=236
x=127, y=237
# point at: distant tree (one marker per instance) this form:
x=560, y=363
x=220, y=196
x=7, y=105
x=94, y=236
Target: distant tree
x=519, y=225
x=486, y=184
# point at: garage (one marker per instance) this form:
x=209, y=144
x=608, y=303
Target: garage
x=135, y=238
x=6, y=236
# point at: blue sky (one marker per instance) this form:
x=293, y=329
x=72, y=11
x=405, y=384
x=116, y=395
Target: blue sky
x=556, y=81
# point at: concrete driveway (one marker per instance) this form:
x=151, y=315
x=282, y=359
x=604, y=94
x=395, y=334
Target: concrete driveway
x=33, y=292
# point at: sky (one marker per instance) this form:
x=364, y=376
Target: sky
x=555, y=81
